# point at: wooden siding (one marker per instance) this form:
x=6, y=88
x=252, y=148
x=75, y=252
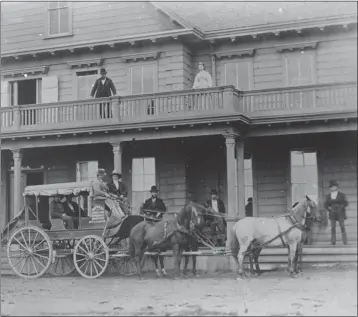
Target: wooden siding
x=173, y=66
x=334, y=60
x=23, y=25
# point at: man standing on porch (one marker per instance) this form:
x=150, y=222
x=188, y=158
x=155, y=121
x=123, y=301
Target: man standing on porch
x=336, y=203
x=101, y=89
x=154, y=206
x=218, y=206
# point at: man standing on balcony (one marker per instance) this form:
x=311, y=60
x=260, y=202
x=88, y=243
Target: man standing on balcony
x=336, y=203
x=104, y=88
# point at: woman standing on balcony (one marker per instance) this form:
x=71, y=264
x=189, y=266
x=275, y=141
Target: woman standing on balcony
x=202, y=78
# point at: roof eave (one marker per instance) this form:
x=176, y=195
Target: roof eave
x=280, y=27
x=110, y=42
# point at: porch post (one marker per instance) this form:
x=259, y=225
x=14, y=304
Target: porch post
x=17, y=156
x=240, y=167
x=231, y=182
x=117, y=156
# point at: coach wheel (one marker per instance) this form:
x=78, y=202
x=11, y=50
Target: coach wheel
x=62, y=266
x=91, y=256
x=128, y=267
x=29, y=252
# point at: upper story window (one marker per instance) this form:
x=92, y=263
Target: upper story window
x=25, y=92
x=143, y=78
x=239, y=74
x=299, y=68
x=84, y=82
x=59, y=18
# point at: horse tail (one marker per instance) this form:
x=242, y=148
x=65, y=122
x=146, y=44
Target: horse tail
x=234, y=243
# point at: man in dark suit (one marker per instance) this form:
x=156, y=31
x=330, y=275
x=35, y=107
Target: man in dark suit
x=64, y=208
x=216, y=223
x=154, y=206
x=102, y=88
x=336, y=203
x=249, y=208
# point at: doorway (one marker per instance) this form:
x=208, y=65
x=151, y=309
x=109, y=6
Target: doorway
x=34, y=178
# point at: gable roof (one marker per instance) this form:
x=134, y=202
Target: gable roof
x=214, y=16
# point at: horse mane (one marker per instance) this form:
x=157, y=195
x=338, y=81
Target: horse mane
x=182, y=213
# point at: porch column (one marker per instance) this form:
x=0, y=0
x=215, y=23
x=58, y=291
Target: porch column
x=17, y=156
x=117, y=156
x=240, y=168
x=231, y=182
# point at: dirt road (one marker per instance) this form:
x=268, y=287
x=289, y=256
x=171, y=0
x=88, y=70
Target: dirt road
x=318, y=292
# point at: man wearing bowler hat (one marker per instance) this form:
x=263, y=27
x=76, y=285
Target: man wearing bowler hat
x=102, y=88
x=336, y=203
x=154, y=206
x=216, y=223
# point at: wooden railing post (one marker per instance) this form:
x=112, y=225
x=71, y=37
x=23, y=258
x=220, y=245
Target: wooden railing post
x=17, y=117
x=115, y=104
x=229, y=100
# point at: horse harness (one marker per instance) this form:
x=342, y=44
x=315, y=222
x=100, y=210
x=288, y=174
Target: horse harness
x=166, y=236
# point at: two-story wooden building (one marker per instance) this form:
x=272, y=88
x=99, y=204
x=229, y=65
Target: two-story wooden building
x=280, y=120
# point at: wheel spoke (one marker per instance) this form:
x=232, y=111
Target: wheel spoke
x=22, y=258
x=95, y=267
x=44, y=240
x=83, y=249
x=42, y=250
x=86, y=245
x=22, y=235
x=24, y=264
x=32, y=260
x=98, y=254
x=84, y=258
x=91, y=271
x=83, y=264
x=88, y=263
x=98, y=264
x=41, y=256
x=20, y=243
x=35, y=237
x=39, y=262
x=97, y=248
x=101, y=259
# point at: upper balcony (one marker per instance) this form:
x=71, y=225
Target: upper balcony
x=177, y=107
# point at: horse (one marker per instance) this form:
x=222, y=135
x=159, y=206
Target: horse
x=255, y=248
x=163, y=235
x=276, y=231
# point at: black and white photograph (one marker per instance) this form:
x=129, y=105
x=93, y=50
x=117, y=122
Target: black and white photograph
x=178, y=158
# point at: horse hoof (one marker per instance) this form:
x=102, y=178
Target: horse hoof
x=241, y=277
x=293, y=275
x=254, y=274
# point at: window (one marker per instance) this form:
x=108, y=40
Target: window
x=59, y=18
x=143, y=78
x=304, y=175
x=239, y=74
x=299, y=68
x=143, y=177
x=86, y=170
x=85, y=81
x=25, y=92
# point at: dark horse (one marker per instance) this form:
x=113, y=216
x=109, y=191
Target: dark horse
x=164, y=235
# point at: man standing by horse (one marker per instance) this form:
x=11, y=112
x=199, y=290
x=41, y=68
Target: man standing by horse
x=336, y=203
x=217, y=224
x=101, y=89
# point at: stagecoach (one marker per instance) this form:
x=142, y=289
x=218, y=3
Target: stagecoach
x=38, y=244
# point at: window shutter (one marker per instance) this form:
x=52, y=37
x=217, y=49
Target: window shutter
x=292, y=71
x=230, y=74
x=244, y=74
x=305, y=67
x=4, y=94
x=92, y=170
x=49, y=89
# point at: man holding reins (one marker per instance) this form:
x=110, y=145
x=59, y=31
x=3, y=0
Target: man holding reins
x=154, y=207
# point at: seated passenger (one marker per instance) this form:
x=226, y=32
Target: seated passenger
x=154, y=206
x=117, y=188
x=60, y=210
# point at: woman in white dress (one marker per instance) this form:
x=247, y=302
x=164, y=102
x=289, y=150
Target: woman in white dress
x=202, y=78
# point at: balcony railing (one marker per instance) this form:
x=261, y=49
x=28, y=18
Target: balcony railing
x=180, y=105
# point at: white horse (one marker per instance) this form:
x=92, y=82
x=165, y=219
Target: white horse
x=285, y=230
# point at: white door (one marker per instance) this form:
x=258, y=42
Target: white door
x=86, y=170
